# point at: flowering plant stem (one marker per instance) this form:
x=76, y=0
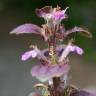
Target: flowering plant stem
x=52, y=53
x=54, y=63
x=56, y=80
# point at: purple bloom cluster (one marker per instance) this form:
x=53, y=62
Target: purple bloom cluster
x=54, y=62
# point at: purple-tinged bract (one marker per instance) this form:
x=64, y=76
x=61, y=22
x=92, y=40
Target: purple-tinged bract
x=26, y=28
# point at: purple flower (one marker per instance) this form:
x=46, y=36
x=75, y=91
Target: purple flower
x=70, y=48
x=44, y=54
x=31, y=53
x=28, y=54
x=45, y=73
x=52, y=15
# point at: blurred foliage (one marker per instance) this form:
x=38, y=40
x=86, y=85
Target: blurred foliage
x=81, y=13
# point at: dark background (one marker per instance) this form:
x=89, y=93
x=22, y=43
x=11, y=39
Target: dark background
x=15, y=78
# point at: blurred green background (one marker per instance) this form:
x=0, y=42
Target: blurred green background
x=15, y=78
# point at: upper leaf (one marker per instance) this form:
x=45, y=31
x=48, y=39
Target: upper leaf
x=26, y=28
x=79, y=30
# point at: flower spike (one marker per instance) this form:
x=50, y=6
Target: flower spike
x=53, y=67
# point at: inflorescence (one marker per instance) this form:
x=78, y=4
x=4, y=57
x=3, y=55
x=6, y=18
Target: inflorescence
x=54, y=66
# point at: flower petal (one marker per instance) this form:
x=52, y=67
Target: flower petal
x=26, y=28
x=34, y=70
x=39, y=72
x=45, y=73
x=60, y=15
x=79, y=50
x=28, y=54
x=76, y=49
x=70, y=48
